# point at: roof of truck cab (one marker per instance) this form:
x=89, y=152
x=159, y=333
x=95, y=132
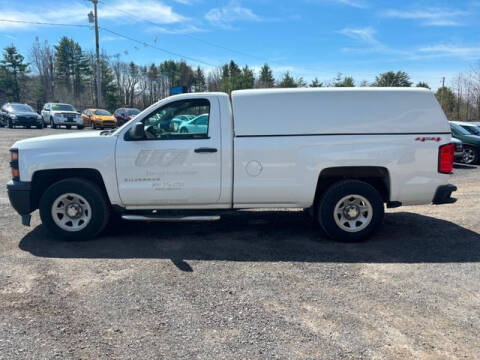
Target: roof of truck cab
x=329, y=89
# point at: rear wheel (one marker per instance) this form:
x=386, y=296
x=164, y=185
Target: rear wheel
x=350, y=211
x=69, y=126
x=74, y=209
x=470, y=155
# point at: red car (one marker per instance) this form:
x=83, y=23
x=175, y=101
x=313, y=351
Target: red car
x=125, y=114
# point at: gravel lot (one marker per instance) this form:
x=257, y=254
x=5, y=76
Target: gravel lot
x=255, y=285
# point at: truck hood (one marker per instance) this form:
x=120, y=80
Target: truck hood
x=25, y=113
x=69, y=140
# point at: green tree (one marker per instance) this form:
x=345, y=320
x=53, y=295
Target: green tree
x=346, y=81
x=393, y=79
x=72, y=65
x=13, y=70
x=110, y=93
x=287, y=81
x=423, y=85
x=231, y=77
x=266, y=79
x=448, y=100
x=316, y=83
x=247, y=78
x=199, y=80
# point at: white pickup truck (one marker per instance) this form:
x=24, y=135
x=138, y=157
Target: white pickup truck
x=341, y=153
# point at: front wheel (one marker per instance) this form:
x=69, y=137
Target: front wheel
x=74, y=209
x=92, y=125
x=350, y=211
x=10, y=124
x=470, y=155
x=52, y=124
x=79, y=127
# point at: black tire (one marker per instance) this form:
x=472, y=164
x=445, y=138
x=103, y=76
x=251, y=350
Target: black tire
x=52, y=124
x=333, y=196
x=183, y=130
x=100, y=210
x=92, y=125
x=69, y=127
x=10, y=125
x=80, y=127
x=470, y=155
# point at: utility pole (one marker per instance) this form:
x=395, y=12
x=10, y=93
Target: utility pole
x=98, y=79
x=443, y=91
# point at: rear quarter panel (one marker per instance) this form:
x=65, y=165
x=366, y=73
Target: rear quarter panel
x=291, y=165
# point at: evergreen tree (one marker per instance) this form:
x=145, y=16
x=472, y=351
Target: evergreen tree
x=266, y=79
x=12, y=75
x=422, y=84
x=199, y=80
x=247, y=78
x=287, y=81
x=393, y=79
x=72, y=66
x=316, y=83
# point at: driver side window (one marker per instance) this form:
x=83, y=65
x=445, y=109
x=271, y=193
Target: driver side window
x=184, y=119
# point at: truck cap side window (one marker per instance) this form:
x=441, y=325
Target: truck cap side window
x=184, y=119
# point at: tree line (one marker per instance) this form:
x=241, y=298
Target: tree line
x=65, y=73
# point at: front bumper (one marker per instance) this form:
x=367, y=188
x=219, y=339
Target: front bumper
x=20, y=196
x=443, y=195
x=26, y=122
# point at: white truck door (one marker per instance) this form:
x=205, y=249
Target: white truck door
x=169, y=167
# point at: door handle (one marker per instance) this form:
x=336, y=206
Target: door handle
x=206, y=150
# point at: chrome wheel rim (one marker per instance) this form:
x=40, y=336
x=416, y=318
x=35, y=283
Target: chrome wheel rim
x=353, y=213
x=71, y=212
x=468, y=156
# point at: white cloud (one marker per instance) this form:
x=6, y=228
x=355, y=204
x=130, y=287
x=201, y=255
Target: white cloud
x=186, y=29
x=232, y=12
x=353, y=3
x=366, y=34
x=441, y=50
x=76, y=13
x=429, y=17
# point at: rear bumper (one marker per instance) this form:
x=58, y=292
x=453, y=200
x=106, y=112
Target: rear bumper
x=20, y=196
x=443, y=195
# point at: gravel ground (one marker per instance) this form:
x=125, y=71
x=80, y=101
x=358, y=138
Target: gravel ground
x=256, y=285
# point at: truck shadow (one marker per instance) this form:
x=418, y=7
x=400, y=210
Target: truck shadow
x=268, y=236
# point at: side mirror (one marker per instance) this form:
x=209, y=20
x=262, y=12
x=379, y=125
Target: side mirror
x=137, y=131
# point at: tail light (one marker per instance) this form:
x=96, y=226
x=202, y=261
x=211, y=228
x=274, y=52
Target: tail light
x=445, y=158
x=14, y=164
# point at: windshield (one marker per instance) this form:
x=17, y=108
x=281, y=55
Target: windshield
x=102, y=112
x=472, y=129
x=63, y=107
x=133, y=111
x=460, y=130
x=21, y=107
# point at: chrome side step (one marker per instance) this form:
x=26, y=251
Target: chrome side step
x=153, y=218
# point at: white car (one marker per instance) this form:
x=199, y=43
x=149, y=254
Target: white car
x=343, y=153
x=56, y=115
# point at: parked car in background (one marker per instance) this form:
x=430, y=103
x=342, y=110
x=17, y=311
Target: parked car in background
x=15, y=114
x=472, y=128
x=57, y=114
x=458, y=150
x=471, y=143
x=98, y=119
x=124, y=115
x=197, y=125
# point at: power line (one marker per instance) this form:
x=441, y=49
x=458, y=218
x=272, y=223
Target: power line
x=114, y=33
x=156, y=47
x=43, y=23
x=193, y=37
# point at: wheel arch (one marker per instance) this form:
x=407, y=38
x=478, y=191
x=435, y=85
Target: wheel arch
x=377, y=176
x=42, y=179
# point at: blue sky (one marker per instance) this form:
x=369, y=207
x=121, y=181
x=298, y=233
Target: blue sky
x=427, y=38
